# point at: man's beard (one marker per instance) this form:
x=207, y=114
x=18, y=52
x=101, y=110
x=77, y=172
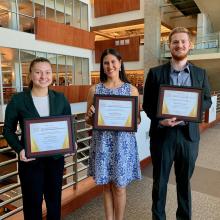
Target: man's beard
x=179, y=57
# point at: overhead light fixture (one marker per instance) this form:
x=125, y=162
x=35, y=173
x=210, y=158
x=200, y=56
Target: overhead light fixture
x=115, y=34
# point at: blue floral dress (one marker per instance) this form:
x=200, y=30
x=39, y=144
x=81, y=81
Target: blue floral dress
x=114, y=154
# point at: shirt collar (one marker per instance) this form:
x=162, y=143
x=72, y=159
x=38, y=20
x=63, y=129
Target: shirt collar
x=185, y=69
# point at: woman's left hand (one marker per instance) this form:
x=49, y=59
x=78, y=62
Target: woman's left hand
x=23, y=157
x=91, y=111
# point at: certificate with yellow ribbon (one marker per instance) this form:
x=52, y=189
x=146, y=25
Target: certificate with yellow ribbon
x=115, y=112
x=184, y=103
x=48, y=136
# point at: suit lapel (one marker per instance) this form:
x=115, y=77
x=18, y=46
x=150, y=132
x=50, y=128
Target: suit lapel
x=31, y=107
x=166, y=74
x=194, y=78
x=52, y=103
x=30, y=104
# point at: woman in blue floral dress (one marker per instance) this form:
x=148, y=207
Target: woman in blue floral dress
x=114, y=160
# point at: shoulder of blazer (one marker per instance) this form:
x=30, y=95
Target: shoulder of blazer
x=21, y=95
x=55, y=94
x=198, y=72
x=161, y=73
x=196, y=68
x=57, y=97
x=161, y=67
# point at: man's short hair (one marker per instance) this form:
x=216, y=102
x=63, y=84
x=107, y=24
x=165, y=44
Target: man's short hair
x=179, y=30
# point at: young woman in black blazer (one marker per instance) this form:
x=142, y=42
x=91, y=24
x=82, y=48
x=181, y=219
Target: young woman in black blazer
x=41, y=177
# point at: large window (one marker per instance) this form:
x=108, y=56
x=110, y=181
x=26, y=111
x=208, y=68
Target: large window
x=85, y=71
x=14, y=69
x=53, y=60
x=8, y=17
x=20, y=14
x=84, y=16
x=76, y=14
x=17, y=14
x=40, y=9
x=26, y=56
x=8, y=5
x=9, y=69
x=26, y=7
x=60, y=15
x=61, y=63
x=69, y=12
x=70, y=70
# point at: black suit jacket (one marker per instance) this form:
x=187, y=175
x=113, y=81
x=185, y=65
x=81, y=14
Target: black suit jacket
x=161, y=75
x=22, y=106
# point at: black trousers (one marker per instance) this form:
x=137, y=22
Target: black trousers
x=41, y=178
x=167, y=147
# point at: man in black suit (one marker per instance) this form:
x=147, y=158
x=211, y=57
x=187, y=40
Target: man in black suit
x=172, y=140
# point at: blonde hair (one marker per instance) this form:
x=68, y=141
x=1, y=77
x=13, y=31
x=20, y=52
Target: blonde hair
x=179, y=30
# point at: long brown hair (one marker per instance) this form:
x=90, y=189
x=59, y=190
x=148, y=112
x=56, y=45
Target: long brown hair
x=33, y=62
x=122, y=75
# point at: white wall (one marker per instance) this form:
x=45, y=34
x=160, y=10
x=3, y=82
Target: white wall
x=79, y=107
x=142, y=136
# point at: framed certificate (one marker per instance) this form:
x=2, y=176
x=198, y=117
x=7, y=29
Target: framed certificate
x=48, y=136
x=116, y=112
x=184, y=103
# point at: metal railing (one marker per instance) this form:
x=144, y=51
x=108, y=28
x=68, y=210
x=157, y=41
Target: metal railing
x=75, y=168
x=217, y=93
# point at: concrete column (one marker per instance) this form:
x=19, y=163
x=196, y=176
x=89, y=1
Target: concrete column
x=152, y=22
x=17, y=77
x=204, y=25
x=13, y=18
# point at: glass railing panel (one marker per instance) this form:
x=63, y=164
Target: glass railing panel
x=26, y=23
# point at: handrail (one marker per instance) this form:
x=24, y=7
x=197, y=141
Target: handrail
x=10, y=200
x=73, y=168
x=9, y=188
x=11, y=212
x=5, y=149
x=8, y=162
x=217, y=93
x=84, y=139
x=8, y=175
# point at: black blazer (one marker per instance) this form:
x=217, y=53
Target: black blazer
x=22, y=106
x=161, y=75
